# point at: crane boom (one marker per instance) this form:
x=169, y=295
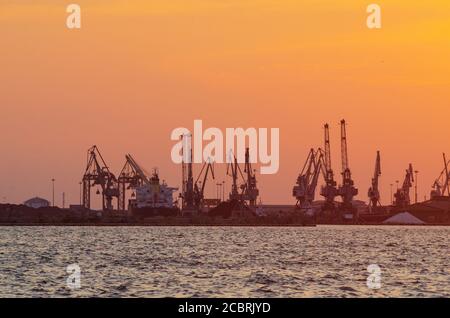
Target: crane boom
x=139, y=170
x=344, y=154
x=329, y=171
x=441, y=184
x=447, y=176
x=377, y=172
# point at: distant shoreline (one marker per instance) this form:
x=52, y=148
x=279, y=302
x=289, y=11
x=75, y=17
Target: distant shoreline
x=21, y=215
x=158, y=224
x=207, y=224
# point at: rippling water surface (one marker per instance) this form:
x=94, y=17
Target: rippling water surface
x=325, y=261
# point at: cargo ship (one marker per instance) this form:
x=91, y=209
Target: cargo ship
x=153, y=198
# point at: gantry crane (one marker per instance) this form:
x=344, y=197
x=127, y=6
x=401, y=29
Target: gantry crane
x=131, y=177
x=329, y=190
x=347, y=190
x=441, y=185
x=98, y=173
x=401, y=196
x=374, y=193
x=305, y=188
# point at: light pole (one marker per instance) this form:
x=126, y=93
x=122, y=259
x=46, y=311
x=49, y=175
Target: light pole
x=53, y=191
x=396, y=181
x=80, y=191
x=392, y=201
x=415, y=186
x=223, y=190
x=218, y=185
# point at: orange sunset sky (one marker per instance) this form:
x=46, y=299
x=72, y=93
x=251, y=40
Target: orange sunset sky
x=138, y=69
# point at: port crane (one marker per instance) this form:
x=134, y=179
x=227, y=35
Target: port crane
x=305, y=188
x=187, y=194
x=192, y=193
x=235, y=195
x=329, y=190
x=247, y=191
x=441, y=184
x=347, y=190
x=131, y=176
x=374, y=193
x=401, y=196
x=251, y=192
x=199, y=185
x=98, y=173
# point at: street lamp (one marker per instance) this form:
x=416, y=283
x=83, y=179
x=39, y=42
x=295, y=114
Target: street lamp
x=223, y=190
x=80, y=183
x=392, y=200
x=415, y=185
x=53, y=191
x=218, y=190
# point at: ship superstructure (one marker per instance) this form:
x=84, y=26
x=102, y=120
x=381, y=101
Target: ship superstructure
x=153, y=194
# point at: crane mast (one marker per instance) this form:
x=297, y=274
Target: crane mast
x=327, y=147
x=347, y=190
x=251, y=191
x=233, y=166
x=329, y=190
x=344, y=154
x=374, y=193
x=187, y=195
x=192, y=193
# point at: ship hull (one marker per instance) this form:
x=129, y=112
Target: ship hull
x=146, y=212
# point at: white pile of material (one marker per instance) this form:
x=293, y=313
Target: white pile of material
x=403, y=218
